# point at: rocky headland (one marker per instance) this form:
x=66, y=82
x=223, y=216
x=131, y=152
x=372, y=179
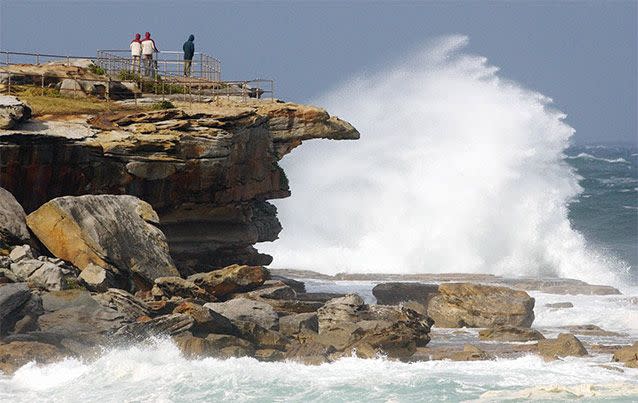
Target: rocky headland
x=122, y=226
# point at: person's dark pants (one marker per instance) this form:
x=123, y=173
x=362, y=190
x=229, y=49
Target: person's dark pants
x=148, y=66
x=187, y=67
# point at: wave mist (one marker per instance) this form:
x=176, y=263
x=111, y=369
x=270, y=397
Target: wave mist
x=457, y=170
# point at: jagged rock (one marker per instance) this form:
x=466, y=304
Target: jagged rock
x=470, y=353
x=176, y=286
x=291, y=306
x=6, y=275
x=272, y=290
x=18, y=353
x=627, y=355
x=241, y=310
x=97, y=279
x=230, y=280
x=296, y=285
x=297, y=323
x=262, y=337
x=396, y=293
x=52, y=277
x=21, y=252
x=565, y=345
x=321, y=297
x=510, y=333
x=124, y=302
x=25, y=267
x=13, y=225
x=12, y=112
x=212, y=169
x=166, y=325
x=475, y=305
x=560, y=305
x=344, y=309
x=269, y=355
x=309, y=352
x=214, y=345
x=114, y=232
x=205, y=320
x=12, y=297
x=348, y=324
x=27, y=315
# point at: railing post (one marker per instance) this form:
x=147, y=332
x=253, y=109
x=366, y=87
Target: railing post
x=9, y=84
x=42, y=84
x=201, y=65
x=37, y=59
x=108, y=88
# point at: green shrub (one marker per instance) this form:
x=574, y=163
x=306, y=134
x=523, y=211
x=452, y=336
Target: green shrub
x=95, y=69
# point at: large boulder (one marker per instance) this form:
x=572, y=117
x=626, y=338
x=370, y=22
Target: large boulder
x=118, y=233
x=241, y=310
x=231, y=279
x=396, y=293
x=347, y=324
x=476, y=305
x=12, y=112
x=564, y=345
x=627, y=355
x=13, y=225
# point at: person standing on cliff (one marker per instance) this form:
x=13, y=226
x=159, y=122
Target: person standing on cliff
x=148, y=50
x=136, y=53
x=189, y=51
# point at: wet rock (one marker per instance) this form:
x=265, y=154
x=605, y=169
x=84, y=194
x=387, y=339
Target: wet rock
x=241, y=310
x=475, y=305
x=627, y=355
x=470, y=353
x=309, y=352
x=26, y=317
x=560, y=305
x=18, y=353
x=348, y=324
x=12, y=112
x=510, y=333
x=230, y=280
x=303, y=322
x=12, y=297
x=589, y=330
x=262, y=337
x=166, y=325
x=269, y=355
x=396, y=293
x=214, y=345
x=113, y=232
x=565, y=345
x=168, y=287
x=206, y=321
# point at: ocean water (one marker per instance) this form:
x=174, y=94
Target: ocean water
x=606, y=212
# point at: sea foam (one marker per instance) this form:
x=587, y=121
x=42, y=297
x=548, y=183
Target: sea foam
x=457, y=170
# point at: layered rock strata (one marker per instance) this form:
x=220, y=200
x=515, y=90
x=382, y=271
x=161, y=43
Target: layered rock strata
x=208, y=171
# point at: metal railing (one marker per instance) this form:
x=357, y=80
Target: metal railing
x=112, y=86
x=164, y=63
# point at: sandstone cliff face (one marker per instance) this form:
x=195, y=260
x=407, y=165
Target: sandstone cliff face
x=208, y=171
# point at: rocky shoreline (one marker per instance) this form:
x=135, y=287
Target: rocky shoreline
x=121, y=227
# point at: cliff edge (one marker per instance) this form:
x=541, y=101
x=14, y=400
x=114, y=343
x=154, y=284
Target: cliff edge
x=208, y=169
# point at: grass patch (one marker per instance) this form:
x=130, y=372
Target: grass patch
x=95, y=69
x=162, y=105
x=49, y=101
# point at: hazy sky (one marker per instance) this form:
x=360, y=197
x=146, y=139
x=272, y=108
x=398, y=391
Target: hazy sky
x=581, y=54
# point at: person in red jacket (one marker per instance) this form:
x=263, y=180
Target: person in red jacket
x=148, y=50
x=136, y=53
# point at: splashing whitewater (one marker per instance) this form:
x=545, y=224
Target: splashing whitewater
x=457, y=170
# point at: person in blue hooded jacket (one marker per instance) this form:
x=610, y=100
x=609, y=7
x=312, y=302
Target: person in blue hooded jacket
x=189, y=51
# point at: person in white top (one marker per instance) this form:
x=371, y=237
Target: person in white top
x=148, y=49
x=136, y=53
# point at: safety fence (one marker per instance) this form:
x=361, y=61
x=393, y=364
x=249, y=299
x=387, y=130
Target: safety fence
x=165, y=63
x=121, y=80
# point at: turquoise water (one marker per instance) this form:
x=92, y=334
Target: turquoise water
x=607, y=210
